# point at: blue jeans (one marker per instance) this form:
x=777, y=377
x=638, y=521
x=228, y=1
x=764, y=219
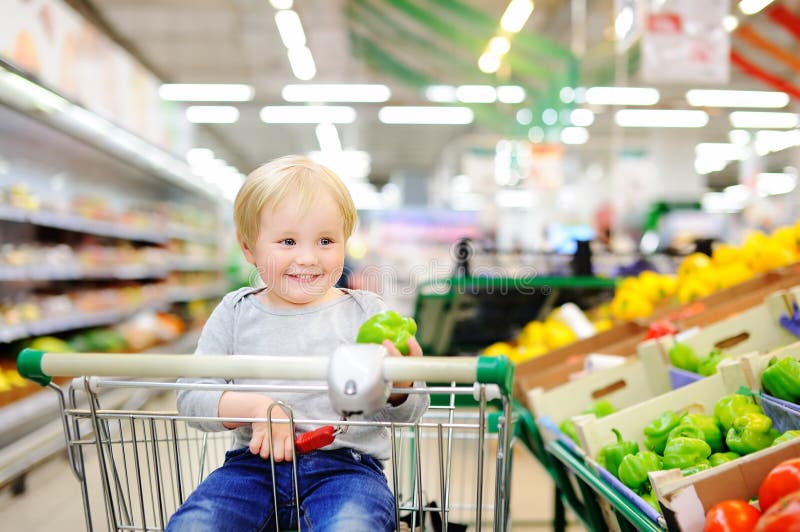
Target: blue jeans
x=339, y=490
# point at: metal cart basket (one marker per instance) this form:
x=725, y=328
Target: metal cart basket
x=448, y=471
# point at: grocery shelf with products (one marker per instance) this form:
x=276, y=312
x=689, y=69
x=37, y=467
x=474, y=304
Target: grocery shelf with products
x=97, y=253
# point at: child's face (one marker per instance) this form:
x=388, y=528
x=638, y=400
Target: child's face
x=299, y=256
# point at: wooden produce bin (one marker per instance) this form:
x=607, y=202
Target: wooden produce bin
x=685, y=501
x=785, y=414
x=554, y=368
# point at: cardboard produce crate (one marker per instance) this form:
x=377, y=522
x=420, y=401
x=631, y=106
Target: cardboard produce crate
x=685, y=501
x=785, y=414
x=554, y=368
x=625, y=385
x=756, y=329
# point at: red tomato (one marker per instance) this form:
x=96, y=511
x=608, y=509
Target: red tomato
x=731, y=516
x=783, y=516
x=783, y=479
x=660, y=328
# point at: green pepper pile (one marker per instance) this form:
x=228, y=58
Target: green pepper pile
x=692, y=442
x=600, y=409
x=781, y=379
x=683, y=357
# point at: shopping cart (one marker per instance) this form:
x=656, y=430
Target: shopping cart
x=448, y=471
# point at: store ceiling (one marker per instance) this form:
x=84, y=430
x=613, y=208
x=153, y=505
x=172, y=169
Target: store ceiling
x=405, y=44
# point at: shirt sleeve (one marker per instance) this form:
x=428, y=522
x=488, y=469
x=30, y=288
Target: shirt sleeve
x=217, y=338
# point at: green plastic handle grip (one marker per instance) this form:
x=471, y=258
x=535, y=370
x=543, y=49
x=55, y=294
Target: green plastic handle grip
x=29, y=365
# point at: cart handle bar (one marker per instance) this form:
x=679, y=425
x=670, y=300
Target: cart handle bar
x=40, y=366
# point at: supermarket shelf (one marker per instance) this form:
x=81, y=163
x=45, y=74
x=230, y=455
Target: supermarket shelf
x=75, y=321
x=80, y=224
x=180, y=295
x=184, y=265
x=179, y=232
x=75, y=272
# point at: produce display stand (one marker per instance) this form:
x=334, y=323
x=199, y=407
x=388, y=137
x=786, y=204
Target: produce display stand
x=558, y=365
x=756, y=329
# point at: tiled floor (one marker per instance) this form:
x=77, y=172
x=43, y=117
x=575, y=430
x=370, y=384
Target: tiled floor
x=52, y=499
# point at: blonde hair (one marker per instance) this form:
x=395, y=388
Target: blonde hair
x=268, y=184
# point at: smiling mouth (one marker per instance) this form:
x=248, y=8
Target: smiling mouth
x=303, y=277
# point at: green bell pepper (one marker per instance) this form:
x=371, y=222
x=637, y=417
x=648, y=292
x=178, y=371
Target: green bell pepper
x=732, y=406
x=682, y=452
x=711, y=433
x=657, y=432
x=568, y=428
x=786, y=436
x=634, y=468
x=388, y=325
x=600, y=409
x=708, y=366
x=611, y=455
x=750, y=432
x=782, y=379
x=682, y=356
x=720, y=458
x=695, y=469
x=686, y=431
x=650, y=498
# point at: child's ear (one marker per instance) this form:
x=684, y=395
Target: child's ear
x=248, y=255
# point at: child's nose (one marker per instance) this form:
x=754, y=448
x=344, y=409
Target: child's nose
x=305, y=256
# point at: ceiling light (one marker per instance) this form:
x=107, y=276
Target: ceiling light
x=336, y=92
x=440, y=93
x=302, y=63
x=763, y=120
x=476, y=94
x=773, y=184
x=281, y=4
x=739, y=136
x=426, y=115
x=516, y=15
x=728, y=98
x=660, y=118
x=770, y=141
x=212, y=114
x=621, y=96
x=751, y=7
x=581, y=117
x=348, y=164
x=510, y=94
x=206, y=92
x=499, y=45
x=549, y=116
x=574, y=135
x=567, y=94
x=730, y=23
x=489, y=63
x=290, y=28
x=307, y=114
x=328, y=138
x=524, y=116
x=623, y=23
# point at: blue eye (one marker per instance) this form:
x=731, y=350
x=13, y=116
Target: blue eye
x=287, y=241
x=326, y=241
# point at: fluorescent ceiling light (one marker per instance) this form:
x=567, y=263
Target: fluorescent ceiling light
x=516, y=15
x=739, y=136
x=751, y=7
x=574, y=135
x=426, y=115
x=770, y=141
x=206, y=92
x=348, y=164
x=290, y=29
x=726, y=98
x=281, y=4
x=336, y=92
x=307, y=114
x=212, y=114
x=660, y=118
x=581, y=117
x=510, y=94
x=476, y=93
x=621, y=96
x=499, y=45
x=773, y=184
x=328, y=138
x=440, y=93
x=302, y=63
x=720, y=150
x=763, y=120
x=489, y=63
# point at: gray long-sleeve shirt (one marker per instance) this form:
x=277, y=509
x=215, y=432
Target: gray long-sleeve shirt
x=242, y=325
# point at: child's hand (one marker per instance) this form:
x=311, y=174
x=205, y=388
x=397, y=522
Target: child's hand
x=414, y=350
x=282, y=438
